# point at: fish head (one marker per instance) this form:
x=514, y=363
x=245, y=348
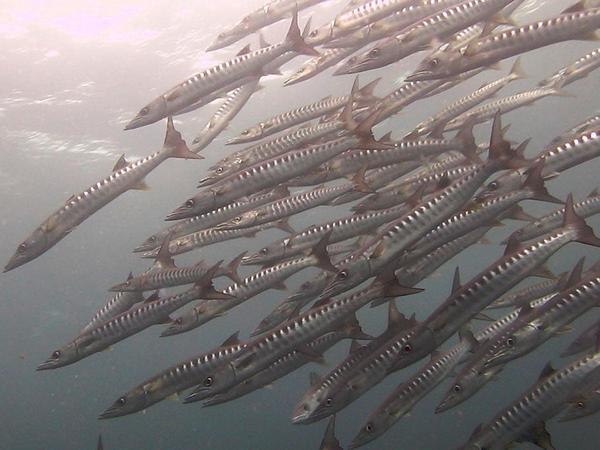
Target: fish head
x=349, y=275
x=63, y=356
x=188, y=321
x=309, y=403
x=130, y=285
x=217, y=381
x=319, y=35
x=244, y=220
x=376, y=425
x=135, y=400
x=466, y=385
x=581, y=405
x=505, y=183
x=377, y=56
x=265, y=255
x=223, y=170
x=32, y=247
x=152, y=112
x=305, y=71
x=198, y=204
x=152, y=242
x=514, y=343
x=249, y=134
x=440, y=64
x=227, y=37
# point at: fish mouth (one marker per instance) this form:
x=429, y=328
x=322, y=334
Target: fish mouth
x=346, y=69
x=151, y=254
x=420, y=75
x=295, y=78
x=122, y=287
x=182, y=212
x=214, y=400
x=300, y=418
x=145, y=247
x=171, y=331
x=495, y=360
x=13, y=264
x=201, y=393
x=110, y=413
x=49, y=364
x=443, y=406
x=138, y=122
x=250, y=260
x=207, y=181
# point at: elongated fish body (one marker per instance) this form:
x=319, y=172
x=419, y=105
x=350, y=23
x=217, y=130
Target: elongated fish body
x=115, y=305
x=518, y=298
x=403, y=190
x=302, y=114
x=391, y=24
x=217, y=77
x=211, y=218
x=586, y=125
x=409, y=393
x=262, y=176
x=582, y=405
x=586, y=340
x=542, y=401
x=317, y=64
x=406, y=94
x=269, y=278
x=473, y=376
x=272, y=12
x=232, y=105
x=288, y=363
x=79, y=207
x=514, y=41
x=420, y=268
x=486, y=111
x=419, y=35
x=556, y=158
x=286, y=207
x=576, y=71
x=437, y=122
x=585, y=208
x=267, y=150
x=341, y=229
x=377, y=178
x=369, y=12
x=306, y=327
x=120, y=327
x=163, y=278
x=204, y=238
x=537, y=327
x=173, y=380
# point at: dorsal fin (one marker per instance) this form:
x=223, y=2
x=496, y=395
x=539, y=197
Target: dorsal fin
x=314, y=378
x=329, y=440
x=121, y=162
x=512, y=245
x=163, y=257
x=466, y=335
x=244, y=50
x=360, y=184
x=546, y=371
x=130, y=276
x=394, y=316
x=319, y=251
x=525, y=310
x=456, y=281
x=231, y=270
x=575, y=275
x=585, y=234
x=231, y=340
x=153, y=297
x=516, y=212
x=354, y=346
x=543, y=272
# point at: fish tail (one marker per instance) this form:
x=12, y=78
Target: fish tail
x=585, y=233
x=517, y=72
x=500, y=149
x=175, y=144
x=535, y=183
x=294, y=38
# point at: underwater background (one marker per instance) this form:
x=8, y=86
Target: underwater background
x=73, y=73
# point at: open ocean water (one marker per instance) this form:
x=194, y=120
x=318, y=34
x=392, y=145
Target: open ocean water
x=73, y=74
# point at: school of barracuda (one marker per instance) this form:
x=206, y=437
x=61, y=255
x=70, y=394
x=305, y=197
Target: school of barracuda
x=417, y=202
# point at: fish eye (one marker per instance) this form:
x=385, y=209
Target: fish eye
x=179, y=321
x=510, y=341
x=373, y=53
x=580, y=404
x=407, y=348
x=238, y=161
x=122, y=401
x=145, y=110
x=56, y=354
x=434, y=62
x=152, y=238
x=314, y=33
x=342, y=275
x=329, y=401
x=208, y=381
x=245, y=132
x=369, y=427
x=219, y=170
x=22, y=247
x=493, y=185
x=238, y=219
x=264, y=251
x=190, y=203
x=457, y=388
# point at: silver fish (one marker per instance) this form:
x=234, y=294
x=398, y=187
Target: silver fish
x=576, y=71
x=519, y=297
x=79, y=207
x=583, y=404
x=314, y=66
x=586, y=340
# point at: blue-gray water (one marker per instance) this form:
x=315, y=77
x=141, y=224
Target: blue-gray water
x=73, y=73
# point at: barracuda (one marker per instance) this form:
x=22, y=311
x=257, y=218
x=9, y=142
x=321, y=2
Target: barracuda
x=212, y=218
x=232, y=105
x=586, y=125
x=129, y=323
x=464, y=303
x=321, y=386
x=115, y=305
x=224, y=74
x=368, y=13
x=79, y=207
x=293, y=334
x=586, y=208
x=436, y=123
x=518, y=298
x=585, y=341
x=329, y=441
x=542, y=401
x=516, y=40
x=269, y=278
x=314, y=66
x=576, y=71
x=537, y=326
x=272, y=12
x=173, y=380
x=297, y=116
x=287, y=206
x=418, y=36
x=472, y=376
x=583, y=404
x=290, y=362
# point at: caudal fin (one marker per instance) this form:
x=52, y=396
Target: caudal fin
x=500, y=151
x=295, y=40
x=535, y=184
x=319, y=251
x=585, y=233
x=175, y=144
